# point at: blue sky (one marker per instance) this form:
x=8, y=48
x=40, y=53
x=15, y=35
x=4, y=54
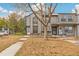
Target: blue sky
x=65, y=7
x=5, y=8
x=61, y=8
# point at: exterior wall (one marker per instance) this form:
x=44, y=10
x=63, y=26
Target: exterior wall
x=49, y=29
x=56, y=20
x=39, y=27
x=78, y=25
x=72, y=23
x=68, y=30
x=28, y=24
x=75, y=31
x=31, y=25
x=78, y=30
x=35, y=25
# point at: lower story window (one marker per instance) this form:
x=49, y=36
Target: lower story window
x=69, y=29
x=35, y=29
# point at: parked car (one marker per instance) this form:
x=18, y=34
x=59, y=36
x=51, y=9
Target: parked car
x=1, y=33
x=6, y=33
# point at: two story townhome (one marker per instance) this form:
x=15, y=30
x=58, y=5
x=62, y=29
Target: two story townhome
x=60, y=24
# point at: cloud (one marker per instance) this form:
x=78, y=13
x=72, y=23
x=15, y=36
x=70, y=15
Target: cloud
x=73, y=11
x=5, y=11
x=37, y=5
x=11, y=11
x=2, y=10
x=77, y=7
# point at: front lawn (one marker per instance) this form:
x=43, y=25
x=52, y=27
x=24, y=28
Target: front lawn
x=6, y=41
x=40, y=47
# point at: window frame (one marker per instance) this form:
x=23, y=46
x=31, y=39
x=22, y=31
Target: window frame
x=70, y=18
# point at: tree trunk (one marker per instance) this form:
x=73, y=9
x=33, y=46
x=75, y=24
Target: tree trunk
x=45, y=32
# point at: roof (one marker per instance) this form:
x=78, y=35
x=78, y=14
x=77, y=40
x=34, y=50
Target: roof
x=56, y=14
x=67, y=13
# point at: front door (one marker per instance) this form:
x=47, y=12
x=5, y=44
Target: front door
x=54, y=30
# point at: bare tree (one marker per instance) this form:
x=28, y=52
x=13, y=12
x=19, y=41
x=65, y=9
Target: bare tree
x=43, y=13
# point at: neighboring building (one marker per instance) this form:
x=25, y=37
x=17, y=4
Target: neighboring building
x=60, y=24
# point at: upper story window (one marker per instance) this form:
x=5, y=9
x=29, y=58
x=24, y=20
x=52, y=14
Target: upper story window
x=70, y=19
x=35, y=20
x=28, y=20
x=63, y=19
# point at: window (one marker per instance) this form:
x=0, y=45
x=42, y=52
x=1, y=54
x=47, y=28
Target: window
x=70, y=19
x=49, y=31
x=69, y=29
x=63, y=19
x=35, y=29
x=35, y=20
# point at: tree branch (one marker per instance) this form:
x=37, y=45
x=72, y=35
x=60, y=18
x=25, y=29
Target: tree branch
x=50, y=13
x=36, y=15
x=41, y=10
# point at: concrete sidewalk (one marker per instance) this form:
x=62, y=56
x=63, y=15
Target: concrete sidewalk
x=72, y=41
x=26, y=36
x=23, y=39
x=76, y=42
x=12, y=50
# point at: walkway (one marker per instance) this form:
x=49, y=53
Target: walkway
x=76, y=42
x=10, y=51
x=14, y=48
